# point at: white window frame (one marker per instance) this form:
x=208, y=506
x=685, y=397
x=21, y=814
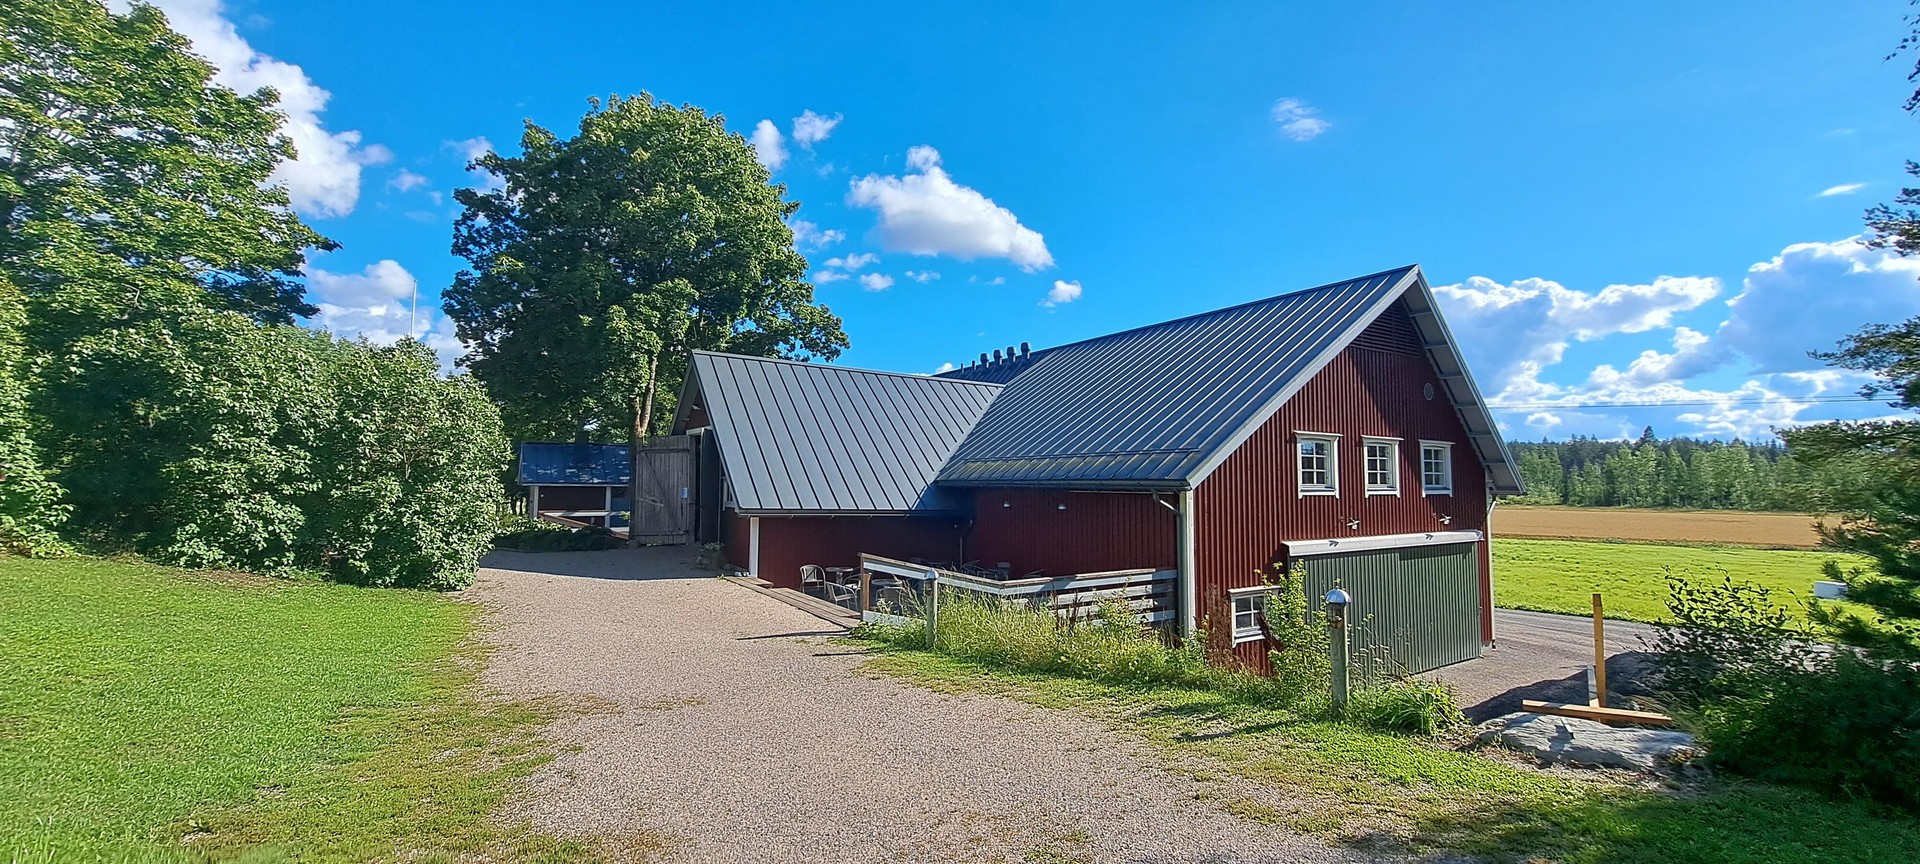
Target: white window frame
x=1446, y=461
x=1257, y=596
x=1332, y=440
x=1392, y=486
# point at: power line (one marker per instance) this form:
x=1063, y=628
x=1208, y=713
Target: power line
x=1706, y=403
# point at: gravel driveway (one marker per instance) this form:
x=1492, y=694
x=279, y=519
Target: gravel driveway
x=737, y=732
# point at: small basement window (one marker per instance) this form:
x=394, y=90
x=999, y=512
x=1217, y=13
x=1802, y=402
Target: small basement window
x=1319, y=463
x=1436, y=467
x=1383, y=466
x=1248, y=605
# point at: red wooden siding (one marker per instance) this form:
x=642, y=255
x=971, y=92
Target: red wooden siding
x=786, y=542
x=1251, y=504
x=1097, y=531
x=739, y=533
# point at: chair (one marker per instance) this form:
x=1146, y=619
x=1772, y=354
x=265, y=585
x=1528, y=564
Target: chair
x=812, y=576
x=841, y=595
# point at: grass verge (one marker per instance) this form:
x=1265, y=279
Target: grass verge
x=154, y=714
x=1380, y=791
x=1561, y=575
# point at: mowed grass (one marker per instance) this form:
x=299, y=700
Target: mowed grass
x=152, y=714
x=1387, y=793
x=1562, y=575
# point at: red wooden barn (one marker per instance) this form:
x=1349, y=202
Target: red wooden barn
x=1336, y=427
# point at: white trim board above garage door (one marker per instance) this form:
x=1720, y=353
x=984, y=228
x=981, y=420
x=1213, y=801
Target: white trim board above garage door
x=1301, y=548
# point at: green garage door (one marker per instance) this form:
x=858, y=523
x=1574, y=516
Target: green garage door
x=1420, y=603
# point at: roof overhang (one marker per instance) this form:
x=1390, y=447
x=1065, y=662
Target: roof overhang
x=1338, y=545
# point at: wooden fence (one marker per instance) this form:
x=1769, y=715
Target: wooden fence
x=1149, y=593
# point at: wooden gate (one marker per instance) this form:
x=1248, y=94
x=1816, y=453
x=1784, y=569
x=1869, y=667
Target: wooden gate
x=664, y=513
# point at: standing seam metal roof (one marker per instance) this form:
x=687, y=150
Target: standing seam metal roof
x=1151, y=407
x=816, y=438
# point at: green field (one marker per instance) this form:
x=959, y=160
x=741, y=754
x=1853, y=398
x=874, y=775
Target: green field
x=1561, y=575
x=151, y=714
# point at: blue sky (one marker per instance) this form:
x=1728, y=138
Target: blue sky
x=1588, y=193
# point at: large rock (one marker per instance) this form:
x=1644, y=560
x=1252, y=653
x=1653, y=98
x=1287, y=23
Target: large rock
x=1572, y=741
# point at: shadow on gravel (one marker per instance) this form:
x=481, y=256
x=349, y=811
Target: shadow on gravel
x=1628, y=674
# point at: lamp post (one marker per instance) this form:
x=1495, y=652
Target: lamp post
x=1337, y=602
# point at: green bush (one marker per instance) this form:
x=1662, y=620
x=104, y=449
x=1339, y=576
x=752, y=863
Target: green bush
x=1407, y=705
x=1302, y=668
x=528, y=535
x=30, y=508
x=1769, y=701
x=218, y=442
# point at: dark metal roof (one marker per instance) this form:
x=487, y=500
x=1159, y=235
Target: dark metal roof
x=1159, y=407
x=553, y=464
x=807, y=437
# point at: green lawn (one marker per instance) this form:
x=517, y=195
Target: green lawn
x=152, y=714
x=1561, y=575
x=1373, y=790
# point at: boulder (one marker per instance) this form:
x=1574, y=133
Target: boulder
x=1573, y=741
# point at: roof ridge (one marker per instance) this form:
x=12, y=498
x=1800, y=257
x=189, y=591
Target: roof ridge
x=1247, y=304
x=846, y=368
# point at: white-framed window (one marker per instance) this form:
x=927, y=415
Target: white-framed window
x=1382, y=463
x=1318, y=457
x=1249, y=604
x=1436, y=467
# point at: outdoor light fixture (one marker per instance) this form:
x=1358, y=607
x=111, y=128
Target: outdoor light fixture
x=1006, y=505
x=1061, y=507
x=1353, y=524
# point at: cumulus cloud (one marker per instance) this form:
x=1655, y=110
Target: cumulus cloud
x=378, y=303
x=876, y=281
x=1811, y=295
x=1061, y=292
x=406, y=181
x=945, y=367
x=925, y=212
x=769, y=149
x=810, y=237
x=852, y=262
x=323, y=180
x=1298, y=120
x=1842, y=189
x=474, y=148
x=824, y=276
x=810, y=128
x=922, y=276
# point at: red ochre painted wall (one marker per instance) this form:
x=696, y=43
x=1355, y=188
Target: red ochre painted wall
x=787, y=542
x=1097, y=531
x=1248, y=507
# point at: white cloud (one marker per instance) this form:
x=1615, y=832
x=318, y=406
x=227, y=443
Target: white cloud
x=1543, y=420
x=945, y=367
x=824, y=276
x=406, y=181
x=1811, y=295
x=323, y=180
x=1062, y=292
x=474, y=148
x=810, y=128
x=808, y=236
x=922, y=276
x=1842, y=189
x=927, y=213
x=377, y=303
x=768, y=148
x=852, y=262
x=1298, y=120
x=876, y=281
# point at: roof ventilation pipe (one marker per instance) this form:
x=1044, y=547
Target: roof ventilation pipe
x=1025, y=349
x=983, y=358
x=996, y=357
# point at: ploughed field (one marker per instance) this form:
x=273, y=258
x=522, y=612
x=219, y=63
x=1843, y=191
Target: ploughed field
x=1681, y=527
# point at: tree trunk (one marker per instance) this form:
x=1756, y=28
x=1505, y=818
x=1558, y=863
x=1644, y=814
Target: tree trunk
x=642, y=427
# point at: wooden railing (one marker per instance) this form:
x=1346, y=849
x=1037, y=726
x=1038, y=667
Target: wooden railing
x=1147, y=592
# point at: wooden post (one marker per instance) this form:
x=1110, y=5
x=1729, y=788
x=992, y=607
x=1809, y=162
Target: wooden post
x=866, y=590
x=1599, y=653
x=933, y=609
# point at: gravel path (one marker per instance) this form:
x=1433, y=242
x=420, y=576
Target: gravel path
x=737, y=732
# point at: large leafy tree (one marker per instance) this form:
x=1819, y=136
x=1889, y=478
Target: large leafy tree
x=30, y=507
x=604, y=257
x=131, y=186
x=1880, y=514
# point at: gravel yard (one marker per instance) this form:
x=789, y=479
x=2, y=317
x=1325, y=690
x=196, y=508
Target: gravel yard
x=733, y=730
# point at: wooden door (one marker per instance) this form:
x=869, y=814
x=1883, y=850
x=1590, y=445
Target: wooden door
x=664, y=513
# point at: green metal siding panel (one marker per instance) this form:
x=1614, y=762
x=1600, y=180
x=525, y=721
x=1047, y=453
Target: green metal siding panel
x=1421, y=604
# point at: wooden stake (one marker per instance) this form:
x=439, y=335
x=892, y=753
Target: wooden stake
x=1599, y=654
x=1596, y=713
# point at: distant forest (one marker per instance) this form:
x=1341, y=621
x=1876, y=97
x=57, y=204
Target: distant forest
x=1674, y=472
